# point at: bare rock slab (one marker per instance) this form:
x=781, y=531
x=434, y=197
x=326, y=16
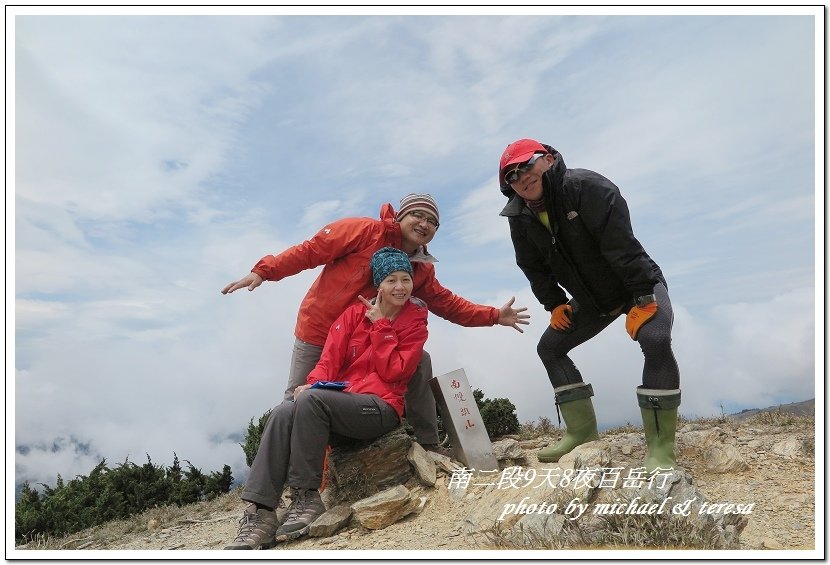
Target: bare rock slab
x=724, y=459
x=384, y=508
x=790, y=447
x=424, y=466
x=443, y=462
x=508, y=449
x=330, y=522
x=591, y=455
x=701, y=439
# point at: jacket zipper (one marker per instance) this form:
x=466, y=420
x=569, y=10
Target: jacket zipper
x=567, y=260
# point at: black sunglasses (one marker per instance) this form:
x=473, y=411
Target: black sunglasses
x=513, y=176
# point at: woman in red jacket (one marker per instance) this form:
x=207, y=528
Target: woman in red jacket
x=372, y=350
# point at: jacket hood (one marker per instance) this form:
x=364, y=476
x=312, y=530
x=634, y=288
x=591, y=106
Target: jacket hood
x=393, y=228
x=387, y=213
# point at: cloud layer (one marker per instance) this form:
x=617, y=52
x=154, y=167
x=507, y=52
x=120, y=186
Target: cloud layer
x=157, y=158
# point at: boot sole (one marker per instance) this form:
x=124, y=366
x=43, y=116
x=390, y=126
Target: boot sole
x=292, y=535
x=267, y=545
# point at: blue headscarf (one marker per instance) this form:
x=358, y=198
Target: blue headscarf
x=388, y=260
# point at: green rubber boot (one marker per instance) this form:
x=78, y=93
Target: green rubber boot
x=574, y=402
x=659, y=410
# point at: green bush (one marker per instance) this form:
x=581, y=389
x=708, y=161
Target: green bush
x=109, y=494
x=498, y=414
x=252, y=437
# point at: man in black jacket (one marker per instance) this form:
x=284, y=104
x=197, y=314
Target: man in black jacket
x=571, y=232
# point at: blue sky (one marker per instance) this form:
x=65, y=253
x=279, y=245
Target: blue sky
x=157, y=158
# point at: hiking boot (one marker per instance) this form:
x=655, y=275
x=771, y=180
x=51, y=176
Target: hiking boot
x=281, y=512
x=439, y=449
x=306, y=507
x=659, y=410
x=256, y=529
x=574, y=403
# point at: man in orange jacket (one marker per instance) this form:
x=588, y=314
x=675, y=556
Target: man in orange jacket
x=345, y=247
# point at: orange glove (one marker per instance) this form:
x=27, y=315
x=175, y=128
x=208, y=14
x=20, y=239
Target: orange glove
x=560, y=317
x=638, y=316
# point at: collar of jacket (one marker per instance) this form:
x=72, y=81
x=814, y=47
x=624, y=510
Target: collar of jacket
x=515, y=206
x=393, y=231
x=422, y=255
x=555, y=176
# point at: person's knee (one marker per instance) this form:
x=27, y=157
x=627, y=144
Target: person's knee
x=549, y=348
x=654, y=342
x=309, y=399
x=280, y=410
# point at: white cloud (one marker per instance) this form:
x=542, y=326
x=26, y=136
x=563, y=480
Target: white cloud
x=157, y=374
x=318, y=214
x=158, y=158
x=477, y=221
x=138, y=131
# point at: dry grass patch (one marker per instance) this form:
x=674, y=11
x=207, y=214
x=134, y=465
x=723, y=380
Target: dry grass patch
x=611, y=531
x=779, y=417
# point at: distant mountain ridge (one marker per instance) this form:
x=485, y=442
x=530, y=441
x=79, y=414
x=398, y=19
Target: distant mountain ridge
x=803, y=408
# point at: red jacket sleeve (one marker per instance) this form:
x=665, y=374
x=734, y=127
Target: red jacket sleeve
x=396, y=354
x=450, y=306
x=332, y=242
x=333, y=357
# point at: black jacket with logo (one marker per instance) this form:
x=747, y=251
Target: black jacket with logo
x=592, y=252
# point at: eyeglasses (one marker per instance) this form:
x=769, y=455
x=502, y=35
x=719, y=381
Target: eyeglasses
x=420, y=216
x=513, y=176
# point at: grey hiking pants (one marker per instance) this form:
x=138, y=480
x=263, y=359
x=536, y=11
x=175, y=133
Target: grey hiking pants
x=660, y=370
x=294, y=440
x=420, y=409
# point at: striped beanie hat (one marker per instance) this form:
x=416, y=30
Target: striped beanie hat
x=387, y=260
x=412, y=202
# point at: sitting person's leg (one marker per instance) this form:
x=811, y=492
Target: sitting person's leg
x=263, y=489
x=318, y=413
x=270, y=467
x=421, y=411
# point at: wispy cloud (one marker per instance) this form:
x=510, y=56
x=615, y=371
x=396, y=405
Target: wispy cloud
x=158, y=158
x=98, y=140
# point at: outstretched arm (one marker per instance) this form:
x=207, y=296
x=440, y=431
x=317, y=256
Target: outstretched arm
x=334, y=241
x=461, y=311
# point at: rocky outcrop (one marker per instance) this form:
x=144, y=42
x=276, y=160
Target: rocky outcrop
x=578, y=494
x=385, y=508
x=332, y=521
x=508, y=449
x=790, y=447
x=423, y=465
x=721, y=458
x=360, y=469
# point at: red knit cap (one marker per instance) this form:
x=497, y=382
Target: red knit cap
x=412, y=202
